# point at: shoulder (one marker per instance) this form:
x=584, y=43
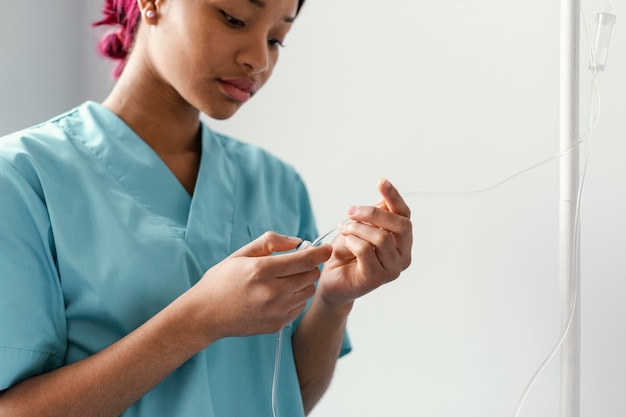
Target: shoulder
x=27, y=150
x=25, y=155
x=253, y=159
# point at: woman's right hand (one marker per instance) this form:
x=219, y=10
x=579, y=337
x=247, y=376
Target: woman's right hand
x=250, y=292
x=254, y=290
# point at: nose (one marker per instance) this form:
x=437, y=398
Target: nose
x=256, y=56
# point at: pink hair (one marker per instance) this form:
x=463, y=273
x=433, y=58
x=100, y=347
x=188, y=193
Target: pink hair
x=117, y=45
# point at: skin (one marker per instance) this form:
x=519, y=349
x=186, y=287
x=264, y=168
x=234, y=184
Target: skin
x=167, y=82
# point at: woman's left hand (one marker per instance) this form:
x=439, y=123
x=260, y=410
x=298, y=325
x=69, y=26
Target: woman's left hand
x=371, y=251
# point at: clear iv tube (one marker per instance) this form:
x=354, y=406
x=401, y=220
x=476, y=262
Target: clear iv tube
x=279, y=338
x=275, y=379
x=571, y=406
x=598, y=55
x=571, y=306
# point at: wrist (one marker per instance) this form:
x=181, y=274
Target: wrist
x=192, y=321
x=337, y=308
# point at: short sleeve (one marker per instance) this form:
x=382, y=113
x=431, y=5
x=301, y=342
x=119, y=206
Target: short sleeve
x=32, y=313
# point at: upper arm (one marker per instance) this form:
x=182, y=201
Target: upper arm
x=32, y=313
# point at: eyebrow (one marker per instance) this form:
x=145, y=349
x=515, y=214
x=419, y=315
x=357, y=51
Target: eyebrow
x=261, y=4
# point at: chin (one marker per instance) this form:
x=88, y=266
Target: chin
x=222, y=112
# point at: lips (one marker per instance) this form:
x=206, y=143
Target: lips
x=238, y=89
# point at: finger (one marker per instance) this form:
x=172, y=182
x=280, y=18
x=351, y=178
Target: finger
x=267, y=244
x=392, y=198
x=289, y=264
x=366, y=257
x=292, y=315
x=383, y=242
x=294, y=284
x=295, y=292
x=302, y=296
x=379, y=217
x=400, y=227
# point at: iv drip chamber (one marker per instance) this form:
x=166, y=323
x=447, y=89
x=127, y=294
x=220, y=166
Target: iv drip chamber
x=605, y=23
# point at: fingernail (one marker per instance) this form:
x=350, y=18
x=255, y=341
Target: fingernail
x=386, y=183
x=353, y=210
x=344, y=225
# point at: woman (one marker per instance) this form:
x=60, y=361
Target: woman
x=138, y=273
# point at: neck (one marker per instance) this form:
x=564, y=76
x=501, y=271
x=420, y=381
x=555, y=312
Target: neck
x=156, y=113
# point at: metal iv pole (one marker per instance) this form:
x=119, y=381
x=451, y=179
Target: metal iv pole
x=569, y=275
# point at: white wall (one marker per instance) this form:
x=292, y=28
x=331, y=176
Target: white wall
x=437, y=96
x=48, y=60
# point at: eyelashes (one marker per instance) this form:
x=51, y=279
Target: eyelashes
x=275, y=43
x=240, y=24
x=233, y=21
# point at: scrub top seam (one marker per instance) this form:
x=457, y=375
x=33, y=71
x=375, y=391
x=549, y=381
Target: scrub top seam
x=42, y=198
x=20, y=349
x=235, y=199
x=134, y=196
x=18, y=172
x=48, y=253
x=54, y=120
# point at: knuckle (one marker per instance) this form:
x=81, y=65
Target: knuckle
x=310, y=291
x=269, y=235
x=364, y=249
x=310, y=259
x=367, y=211
x=256, y=272
x=311, y=264
x=405, y=223
x=382, y=239
x=269, y=238
x=407, y=261
x=266, y=298
x=372, y=211
x=394, y=273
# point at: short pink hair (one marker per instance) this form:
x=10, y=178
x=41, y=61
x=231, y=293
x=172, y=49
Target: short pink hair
x=117, y=45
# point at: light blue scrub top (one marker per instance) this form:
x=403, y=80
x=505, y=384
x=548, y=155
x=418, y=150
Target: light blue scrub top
x=97, y=235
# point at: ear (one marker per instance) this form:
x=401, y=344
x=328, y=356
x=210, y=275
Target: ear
x=148, y=9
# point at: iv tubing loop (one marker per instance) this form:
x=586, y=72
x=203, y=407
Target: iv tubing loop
x=575, y=249
x=594, y=100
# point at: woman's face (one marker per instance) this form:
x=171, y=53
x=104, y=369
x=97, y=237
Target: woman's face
x=215, y=54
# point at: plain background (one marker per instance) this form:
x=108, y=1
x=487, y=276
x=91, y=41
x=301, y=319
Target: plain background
x=437, y=96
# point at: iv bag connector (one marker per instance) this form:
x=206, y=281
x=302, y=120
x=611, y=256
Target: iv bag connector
x=605, y=23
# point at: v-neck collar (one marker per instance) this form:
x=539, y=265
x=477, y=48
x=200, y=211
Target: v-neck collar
x=134, y=164
x=205, y=219
x=212, y=209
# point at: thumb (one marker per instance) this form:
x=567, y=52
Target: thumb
x=382, y=204
x=267, y=244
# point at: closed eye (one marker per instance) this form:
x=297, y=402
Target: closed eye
x=275, y=43
x=232, y=21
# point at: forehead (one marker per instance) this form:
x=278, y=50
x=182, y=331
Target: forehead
x=261, y=4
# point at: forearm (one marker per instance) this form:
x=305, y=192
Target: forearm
x=316, y=344
x=110, y=381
